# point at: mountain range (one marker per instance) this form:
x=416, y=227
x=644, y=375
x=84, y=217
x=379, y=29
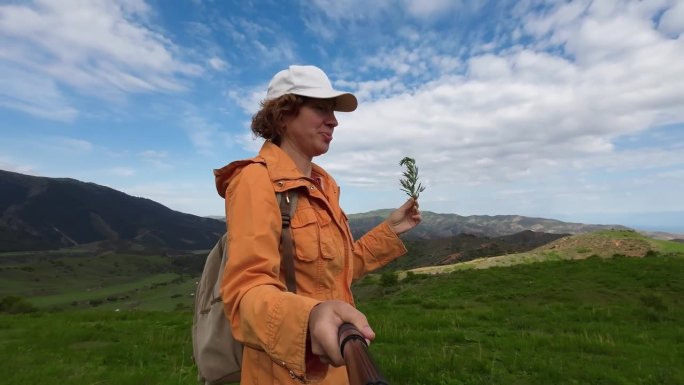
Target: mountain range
x=436, y=225
x=41, y=213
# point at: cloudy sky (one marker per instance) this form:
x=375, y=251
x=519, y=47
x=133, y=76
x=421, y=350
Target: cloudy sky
x=566, y=110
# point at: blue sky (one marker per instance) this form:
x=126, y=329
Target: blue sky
x=566, y=110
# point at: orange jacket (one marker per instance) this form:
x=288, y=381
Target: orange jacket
x=271, y=322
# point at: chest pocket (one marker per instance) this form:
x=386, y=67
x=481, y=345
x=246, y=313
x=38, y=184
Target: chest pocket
x=328, y=236
x=312, y=234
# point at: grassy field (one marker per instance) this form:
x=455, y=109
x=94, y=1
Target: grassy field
x=77, y=279
x=589, y=321
x=594, y=321
x=96, y=347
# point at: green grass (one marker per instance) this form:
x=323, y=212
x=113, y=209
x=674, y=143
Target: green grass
x=591, y=321
x=621, y=234
x=96, y=348
x=667, y=246
x=595, y=321
x=70, y=279
x=47, y=273
x=102, y=293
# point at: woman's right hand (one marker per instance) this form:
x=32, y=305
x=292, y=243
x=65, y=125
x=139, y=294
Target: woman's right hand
x=325, y=320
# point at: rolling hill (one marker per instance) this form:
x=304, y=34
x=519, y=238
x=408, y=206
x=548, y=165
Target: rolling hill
x=39, y=213
x=599, y=244
x=466, y=247
x=436, y=225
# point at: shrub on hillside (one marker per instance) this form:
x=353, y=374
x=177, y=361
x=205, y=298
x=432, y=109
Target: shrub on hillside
x=13, y=304
x=388, y=279
x=411, y=277
x=651, y=253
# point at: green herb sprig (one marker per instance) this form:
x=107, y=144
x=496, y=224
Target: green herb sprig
x=410, y=183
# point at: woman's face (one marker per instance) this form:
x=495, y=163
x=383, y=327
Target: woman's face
x=311, y=130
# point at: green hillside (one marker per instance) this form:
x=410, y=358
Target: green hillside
x=83, y=278
x=465, y=247
x=604, y=244
x=590, y=321
x=87, y=277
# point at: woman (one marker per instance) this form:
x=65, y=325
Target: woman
x=287, y=336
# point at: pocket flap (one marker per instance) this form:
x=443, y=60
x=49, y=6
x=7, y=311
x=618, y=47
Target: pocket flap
x=323, y=217
x=302, y=218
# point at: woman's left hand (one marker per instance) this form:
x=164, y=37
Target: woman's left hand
x=405, y=217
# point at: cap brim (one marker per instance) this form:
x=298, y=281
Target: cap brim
x=344, y=101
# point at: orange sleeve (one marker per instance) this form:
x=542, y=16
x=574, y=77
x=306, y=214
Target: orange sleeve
x=378, y=247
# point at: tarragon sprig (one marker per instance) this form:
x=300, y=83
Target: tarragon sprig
x=410, y=183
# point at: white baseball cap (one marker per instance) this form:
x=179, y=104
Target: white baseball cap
x=309, y=81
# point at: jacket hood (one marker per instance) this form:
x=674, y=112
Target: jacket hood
x=280, y=167
x=225, y=174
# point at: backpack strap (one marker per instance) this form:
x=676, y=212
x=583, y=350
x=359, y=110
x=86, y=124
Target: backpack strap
x=288, y=202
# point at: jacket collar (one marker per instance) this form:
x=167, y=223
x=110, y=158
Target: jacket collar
x=279, y=165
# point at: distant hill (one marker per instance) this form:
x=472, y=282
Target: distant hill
x=599, y=244
x=664, y=235
x=39, y=213
x=447, y=225
x=465, y=247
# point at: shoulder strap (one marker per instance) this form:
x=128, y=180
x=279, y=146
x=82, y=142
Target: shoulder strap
x=288, y=202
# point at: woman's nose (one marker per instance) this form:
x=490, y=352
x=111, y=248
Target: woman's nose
x=330, y=120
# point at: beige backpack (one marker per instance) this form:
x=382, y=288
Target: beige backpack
x=216, y=353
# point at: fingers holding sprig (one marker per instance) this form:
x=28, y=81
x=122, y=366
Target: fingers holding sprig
x=415, y=213
x=411, y=209
x=405, y=217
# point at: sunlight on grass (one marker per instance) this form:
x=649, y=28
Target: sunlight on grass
x=589, y=321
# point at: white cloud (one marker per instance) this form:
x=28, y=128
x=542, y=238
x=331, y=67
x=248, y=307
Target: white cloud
x=524, y=113
x=72, y=146
x=373, y=89
x=202, y=133
x=217, y=63
x=8, y=164
x=189, y=196
x=369, y=10
x=101, y=48
x=121, y=171
x=632, y=160
x=258, y=40
x=158, y=159
x=672, y=20
x=427, y=9
x=248, y=99
x=34, y=94
x=353, y=9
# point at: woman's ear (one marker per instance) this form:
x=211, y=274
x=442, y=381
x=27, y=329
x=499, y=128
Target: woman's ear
x=277, y=136
x=282, y=126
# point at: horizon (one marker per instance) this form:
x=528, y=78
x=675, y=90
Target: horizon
x=567, y=111
x=652, y=224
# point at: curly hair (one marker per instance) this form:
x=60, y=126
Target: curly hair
x=268, y=122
